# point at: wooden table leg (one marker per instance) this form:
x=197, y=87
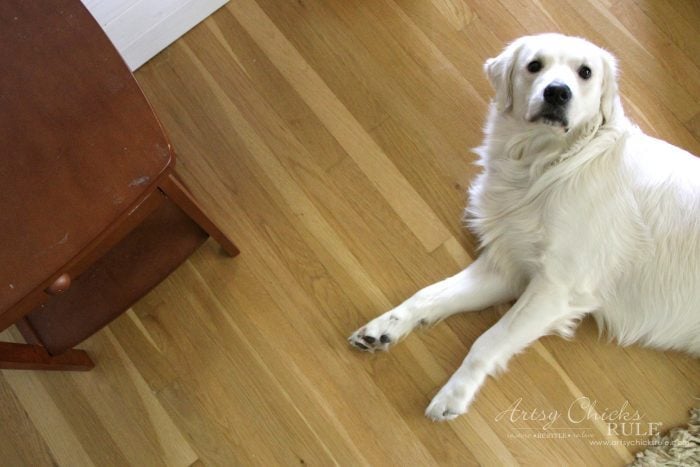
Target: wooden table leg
x=178, y=193
x=27, y=331
x=35, y=357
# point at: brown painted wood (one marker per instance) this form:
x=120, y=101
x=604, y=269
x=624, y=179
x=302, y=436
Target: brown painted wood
x=35, y=357
x=96, y=249
x=82, y=144
x=178, y=192
x=28, y=333
x=117, y=280
x=87, y=158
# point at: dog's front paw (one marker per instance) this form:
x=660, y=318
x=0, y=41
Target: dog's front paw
x=449, y=403
x=363, y=341
x=381, y=332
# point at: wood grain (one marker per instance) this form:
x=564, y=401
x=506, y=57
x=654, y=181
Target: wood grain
x=330, y=140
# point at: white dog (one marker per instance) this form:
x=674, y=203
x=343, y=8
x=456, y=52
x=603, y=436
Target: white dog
x=577, y=212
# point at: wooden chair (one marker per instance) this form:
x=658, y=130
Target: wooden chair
x=92, y=214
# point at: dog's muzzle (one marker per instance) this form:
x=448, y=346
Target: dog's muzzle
x=553, y=112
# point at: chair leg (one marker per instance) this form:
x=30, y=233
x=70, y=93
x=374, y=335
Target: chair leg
x=178, y=193
x=35, y=357
x=27, y=331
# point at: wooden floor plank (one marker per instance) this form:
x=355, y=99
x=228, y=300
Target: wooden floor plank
x=21, y=440
x=364, y=150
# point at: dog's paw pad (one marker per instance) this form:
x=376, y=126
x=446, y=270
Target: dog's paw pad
x=382, y=332
x=367, y=342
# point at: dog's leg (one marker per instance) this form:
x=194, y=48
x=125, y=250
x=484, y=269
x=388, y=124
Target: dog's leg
x=542, y=309
x=475, y=288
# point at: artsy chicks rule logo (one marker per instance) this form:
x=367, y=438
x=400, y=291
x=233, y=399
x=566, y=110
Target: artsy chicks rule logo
x=567, y=423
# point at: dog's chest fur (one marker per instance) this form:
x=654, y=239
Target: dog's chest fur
x=503, y=211
x=524, y=194
x=515, y=234
x=597, y=223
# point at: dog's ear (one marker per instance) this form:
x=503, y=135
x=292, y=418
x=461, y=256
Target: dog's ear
x=499, y=71
x=609, y=99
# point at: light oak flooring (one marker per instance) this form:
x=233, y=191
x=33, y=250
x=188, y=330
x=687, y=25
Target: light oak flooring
x=330, y=139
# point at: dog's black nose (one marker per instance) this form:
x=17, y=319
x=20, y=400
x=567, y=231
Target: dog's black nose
x=557, y=94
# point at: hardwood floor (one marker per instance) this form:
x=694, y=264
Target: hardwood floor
x=330, y=139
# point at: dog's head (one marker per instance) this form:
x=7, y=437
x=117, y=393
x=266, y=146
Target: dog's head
x=555, y=80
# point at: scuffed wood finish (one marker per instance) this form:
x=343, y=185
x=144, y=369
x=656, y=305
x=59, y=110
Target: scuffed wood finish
x=68, y=101
x=87, y=228
x=330, y=140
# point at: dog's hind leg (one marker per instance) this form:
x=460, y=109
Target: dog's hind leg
x=475, y=288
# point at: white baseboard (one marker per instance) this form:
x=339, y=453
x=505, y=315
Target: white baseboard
x=139, y=29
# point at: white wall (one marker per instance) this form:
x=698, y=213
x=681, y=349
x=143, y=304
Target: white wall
x=139, y=29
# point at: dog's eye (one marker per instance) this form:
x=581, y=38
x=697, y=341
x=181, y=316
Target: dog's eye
x=534, y=66
x=584, y=72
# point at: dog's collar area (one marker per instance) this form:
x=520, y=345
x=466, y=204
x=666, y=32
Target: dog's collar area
x=587, y=133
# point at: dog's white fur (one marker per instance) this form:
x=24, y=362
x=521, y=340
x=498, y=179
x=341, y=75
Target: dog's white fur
x=591, y=216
